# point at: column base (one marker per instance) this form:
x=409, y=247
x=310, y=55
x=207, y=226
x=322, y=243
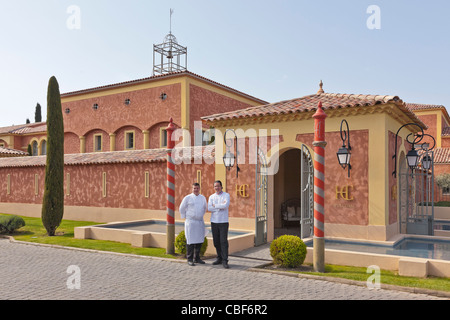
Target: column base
x=170, y=235
x=319, y=254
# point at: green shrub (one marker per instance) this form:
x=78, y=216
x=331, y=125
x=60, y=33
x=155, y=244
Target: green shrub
x=288, y=251
x=9, y=224
x=180, y=244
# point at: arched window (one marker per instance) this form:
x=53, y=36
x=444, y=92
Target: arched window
x=34, y=148
x=44, y=147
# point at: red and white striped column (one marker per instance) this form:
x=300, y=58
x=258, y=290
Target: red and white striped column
x=319, y=189
x=170, y=226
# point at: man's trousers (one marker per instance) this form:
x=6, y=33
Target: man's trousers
x=220, y=239
x=193, y=251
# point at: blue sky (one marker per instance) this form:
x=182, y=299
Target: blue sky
x=273, y=50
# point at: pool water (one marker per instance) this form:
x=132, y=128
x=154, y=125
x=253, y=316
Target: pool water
x=411, y=247
x=160, y=226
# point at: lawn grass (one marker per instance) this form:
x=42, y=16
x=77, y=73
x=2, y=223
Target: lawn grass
x=386, y=277
x=34, y=231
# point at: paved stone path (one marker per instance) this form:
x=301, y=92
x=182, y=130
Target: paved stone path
x=40, y=272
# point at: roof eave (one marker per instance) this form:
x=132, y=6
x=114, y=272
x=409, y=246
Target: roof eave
x=158, y=78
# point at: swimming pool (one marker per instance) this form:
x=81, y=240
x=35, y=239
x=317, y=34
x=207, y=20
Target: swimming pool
x=410, y=247
x=160, y=226
x=152, y=233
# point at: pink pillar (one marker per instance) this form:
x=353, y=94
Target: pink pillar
x=319, y=187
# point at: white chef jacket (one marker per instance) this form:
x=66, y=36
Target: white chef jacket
x=219, y=212
x=193, y=208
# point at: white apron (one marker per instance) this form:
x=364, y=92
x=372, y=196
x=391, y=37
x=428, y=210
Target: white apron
x=193, y=209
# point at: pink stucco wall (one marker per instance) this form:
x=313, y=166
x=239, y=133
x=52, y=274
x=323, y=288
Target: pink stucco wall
x=125, y=184
x=352, y=212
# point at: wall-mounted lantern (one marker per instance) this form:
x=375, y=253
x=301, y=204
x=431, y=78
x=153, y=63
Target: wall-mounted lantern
x=344, y=153
x=412, y=157
x=229, y=158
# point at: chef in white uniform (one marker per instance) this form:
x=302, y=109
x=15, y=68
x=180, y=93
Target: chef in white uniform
x=218, y=205
x=193, y=208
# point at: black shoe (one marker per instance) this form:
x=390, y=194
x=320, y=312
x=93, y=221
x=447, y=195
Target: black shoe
x=200, y=261
x=191, y=263
x=225, y=265
x=218, y=261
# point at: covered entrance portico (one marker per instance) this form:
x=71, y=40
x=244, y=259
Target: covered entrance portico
x=361, y=205
x=293, y=193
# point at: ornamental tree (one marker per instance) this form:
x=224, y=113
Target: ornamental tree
x=53, y=201
x=443, y=180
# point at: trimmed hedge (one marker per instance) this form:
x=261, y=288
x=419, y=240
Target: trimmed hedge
x=180, y=244
x=288, y=251
x=9, y=224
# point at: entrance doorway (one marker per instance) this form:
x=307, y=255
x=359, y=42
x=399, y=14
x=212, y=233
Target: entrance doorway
x=293, y=205
x=416, y=195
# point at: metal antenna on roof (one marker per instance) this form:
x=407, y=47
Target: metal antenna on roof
x=171, y=12
x=168, y=56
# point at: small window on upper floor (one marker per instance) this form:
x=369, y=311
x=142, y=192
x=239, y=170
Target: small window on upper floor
x=208, y=137
x=98, y=143
x=163, y=138
x=129, y=140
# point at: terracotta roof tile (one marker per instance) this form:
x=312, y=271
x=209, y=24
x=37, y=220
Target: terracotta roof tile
x=310, y=103
x=421, y=106
x=7, y=152
x=24, y=128
x=133, y=156
x=446, y=131
x=442, y=156
x=32, y=129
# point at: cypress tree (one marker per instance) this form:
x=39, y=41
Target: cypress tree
x=53, y=201
x=38, y=114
